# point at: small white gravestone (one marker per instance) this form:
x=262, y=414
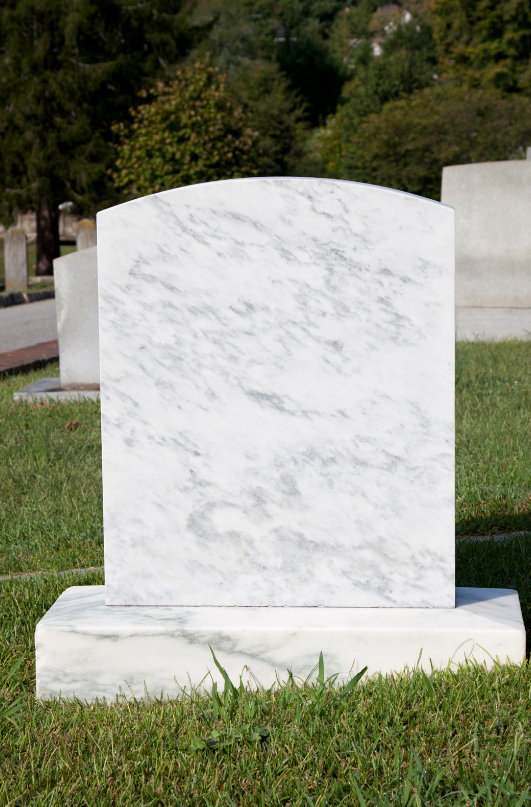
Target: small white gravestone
x=15, y=260
x=76, y=293
x=85, y=234
x=277, y=429
x=492, y=204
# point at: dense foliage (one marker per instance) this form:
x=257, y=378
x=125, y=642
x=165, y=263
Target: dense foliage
x=486, y=42
x=68, y=68
x=292, y=34
x=192, y=131
x=429, y=88
x=383, y=93
x=407, y=144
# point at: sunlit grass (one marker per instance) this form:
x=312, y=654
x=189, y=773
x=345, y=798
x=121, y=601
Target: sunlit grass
x=456, y=737
x=50, y=482
x=493, y=437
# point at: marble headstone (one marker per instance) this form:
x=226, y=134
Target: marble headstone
x=277, y=396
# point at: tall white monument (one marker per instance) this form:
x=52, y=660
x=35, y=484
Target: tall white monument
x=277, y=423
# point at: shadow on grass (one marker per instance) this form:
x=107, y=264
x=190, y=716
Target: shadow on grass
x=499, y=524
x=498, y=564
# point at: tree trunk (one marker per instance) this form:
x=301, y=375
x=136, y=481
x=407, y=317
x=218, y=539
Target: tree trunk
x=47, y=236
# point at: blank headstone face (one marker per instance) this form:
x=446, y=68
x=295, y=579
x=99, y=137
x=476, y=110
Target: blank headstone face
x=277, y=396
x=492, y=203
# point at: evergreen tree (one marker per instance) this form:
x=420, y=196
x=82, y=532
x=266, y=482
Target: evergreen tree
x=291, y=34
x=68, y=69
x=240, y=43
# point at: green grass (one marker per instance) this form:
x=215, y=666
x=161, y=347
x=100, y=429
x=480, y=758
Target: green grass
x=50, y=482
x=456, y=737
x=493, y=430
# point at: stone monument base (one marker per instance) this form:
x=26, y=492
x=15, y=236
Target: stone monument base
x=92, y=651
x=492, y=324
x=49, y=389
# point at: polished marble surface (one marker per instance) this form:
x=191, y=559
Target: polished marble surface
x=90, y=650
x=277, y=396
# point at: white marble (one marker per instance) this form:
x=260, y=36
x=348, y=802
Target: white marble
x=76, y=293
x=50, y=390
x=277, y=370
x=93, y=651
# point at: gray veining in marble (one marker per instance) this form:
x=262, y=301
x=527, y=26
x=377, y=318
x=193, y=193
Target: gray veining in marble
x=277, y=396
x=93, y=651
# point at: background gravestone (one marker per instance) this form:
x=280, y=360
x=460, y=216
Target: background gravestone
x=15, y=260
x=76, y=293
x=277, y=419
x=86, y=236
x=492, y=204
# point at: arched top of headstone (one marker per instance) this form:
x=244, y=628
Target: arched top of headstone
x=277, y=395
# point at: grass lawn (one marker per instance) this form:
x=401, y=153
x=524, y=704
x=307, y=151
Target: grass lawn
x=458, y=737
x=50, y=482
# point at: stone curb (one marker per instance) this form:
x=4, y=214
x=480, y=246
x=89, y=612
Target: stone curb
x=27, y=575
x=21, y=297
x=26, y=358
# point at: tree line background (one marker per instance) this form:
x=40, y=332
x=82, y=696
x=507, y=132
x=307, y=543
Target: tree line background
x=105, y=100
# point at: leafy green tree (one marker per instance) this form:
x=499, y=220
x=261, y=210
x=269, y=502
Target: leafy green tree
x=485, y=42
x=192, y=131
x=407, y=143
x=407, y=63
x=275, y=113
x=68, y=69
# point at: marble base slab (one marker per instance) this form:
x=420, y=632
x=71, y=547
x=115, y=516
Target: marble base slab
x=49, y=389
x=93, y=651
